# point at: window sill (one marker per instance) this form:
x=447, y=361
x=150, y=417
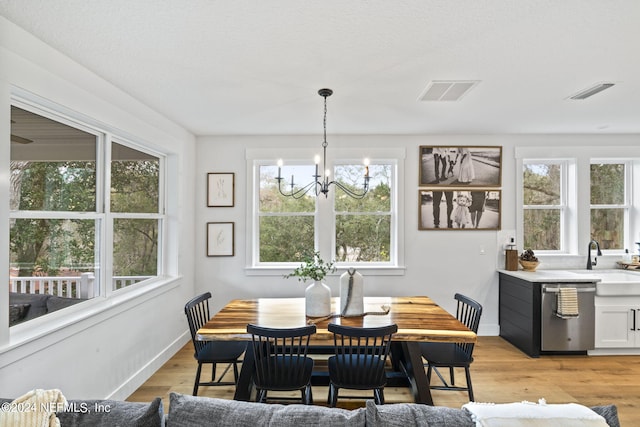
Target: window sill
x=54, y=327
x=565, y=261
x=364, y=270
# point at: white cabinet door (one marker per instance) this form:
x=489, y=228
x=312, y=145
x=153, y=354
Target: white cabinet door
x=617, y=326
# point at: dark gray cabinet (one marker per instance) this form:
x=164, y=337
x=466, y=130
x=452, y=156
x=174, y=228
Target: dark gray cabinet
x=519, y=313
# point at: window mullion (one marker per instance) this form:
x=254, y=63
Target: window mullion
x=105, y=243
x=325, y=225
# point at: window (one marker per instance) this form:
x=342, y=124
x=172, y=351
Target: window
x=574, y=196
x=135, y=208
x=341, y=228
x=65, y=227
x=286, y=225
x=545, y=203
x=363, y=226
x=609, y=203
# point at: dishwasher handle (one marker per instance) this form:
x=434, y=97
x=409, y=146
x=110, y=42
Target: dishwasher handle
x=556, y=290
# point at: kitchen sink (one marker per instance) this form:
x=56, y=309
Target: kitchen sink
x=615, y=281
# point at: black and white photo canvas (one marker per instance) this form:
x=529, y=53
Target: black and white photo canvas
x=454, y=166
x=459, y=209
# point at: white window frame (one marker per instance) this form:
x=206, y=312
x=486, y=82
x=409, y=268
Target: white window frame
x=627, y=206
x=394, y=213
x=107, y=297
x=255, y=203
x=325, y=214
x=159, y=216
x=564, y=206
x=577, y=221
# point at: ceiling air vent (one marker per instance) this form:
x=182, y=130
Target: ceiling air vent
x=447, y=90
x=586, y=93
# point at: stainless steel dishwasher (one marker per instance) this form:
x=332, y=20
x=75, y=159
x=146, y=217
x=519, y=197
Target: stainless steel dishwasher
x=572, y=334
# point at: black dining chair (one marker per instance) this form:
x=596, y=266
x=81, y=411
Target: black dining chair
x=281, y=361
x=454, y=355
x=359, y=361
x=213, y=352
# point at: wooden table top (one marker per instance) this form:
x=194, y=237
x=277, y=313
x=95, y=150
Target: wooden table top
x=418, y=319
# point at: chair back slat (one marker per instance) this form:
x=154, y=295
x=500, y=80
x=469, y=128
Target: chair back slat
x=361, y=354
x=197, y=311
x=281, y=356
x=468, y=312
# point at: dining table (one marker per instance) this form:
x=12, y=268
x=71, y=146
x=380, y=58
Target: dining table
x=419, y=319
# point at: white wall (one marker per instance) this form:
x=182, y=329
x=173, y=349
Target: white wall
x=112, y=352
x=438, y=263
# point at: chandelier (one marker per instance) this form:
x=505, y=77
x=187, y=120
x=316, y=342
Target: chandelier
x=321, y=183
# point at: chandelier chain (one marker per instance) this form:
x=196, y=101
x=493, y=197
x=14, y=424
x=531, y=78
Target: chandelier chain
x=324, y=123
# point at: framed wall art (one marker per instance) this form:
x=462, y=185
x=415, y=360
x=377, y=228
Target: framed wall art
x=459, y=209
x=455, y=166
x=220, y=239
x=220, y=189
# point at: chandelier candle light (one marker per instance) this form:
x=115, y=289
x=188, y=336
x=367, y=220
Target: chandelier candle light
x=321, y=183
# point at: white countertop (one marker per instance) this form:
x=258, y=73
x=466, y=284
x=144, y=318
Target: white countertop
x=614, y=282
x=554, y=276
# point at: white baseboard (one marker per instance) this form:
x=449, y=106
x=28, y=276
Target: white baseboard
x=614, y=352
x=145, y=372
x=489, y=330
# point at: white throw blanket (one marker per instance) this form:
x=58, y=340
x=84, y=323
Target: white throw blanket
x=36, y=408
x=528, y=414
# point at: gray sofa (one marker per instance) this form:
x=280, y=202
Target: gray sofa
x=190, y=411
x=23, y=307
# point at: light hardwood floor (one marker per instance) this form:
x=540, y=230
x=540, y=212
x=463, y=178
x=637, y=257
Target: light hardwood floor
x=500, y=373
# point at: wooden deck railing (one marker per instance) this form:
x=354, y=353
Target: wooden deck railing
x=84, y=286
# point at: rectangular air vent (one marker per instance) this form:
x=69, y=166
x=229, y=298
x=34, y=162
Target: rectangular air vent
x=586, y=93
x=447, y=90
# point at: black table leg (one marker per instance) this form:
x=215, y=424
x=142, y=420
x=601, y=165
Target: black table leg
x=244, y=387
x=410, y=358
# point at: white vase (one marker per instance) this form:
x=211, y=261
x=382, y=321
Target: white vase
x=354, y=297
x=317, y=300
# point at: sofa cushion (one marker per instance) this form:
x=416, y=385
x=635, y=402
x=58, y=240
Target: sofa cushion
x=609, y=413
x=56, y=303
x=412, y=414
x=189, y=411
x=38, y=303
x=17, y=313
x=112, y=413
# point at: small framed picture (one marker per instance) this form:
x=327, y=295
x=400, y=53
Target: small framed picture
x=455, y=166
x=459, y=209
x=220, y=189
x=220, y=239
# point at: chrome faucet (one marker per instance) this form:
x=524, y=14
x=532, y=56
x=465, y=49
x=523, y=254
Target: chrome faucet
x=595, y=259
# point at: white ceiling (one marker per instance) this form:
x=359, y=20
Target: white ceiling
x=254, y=66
